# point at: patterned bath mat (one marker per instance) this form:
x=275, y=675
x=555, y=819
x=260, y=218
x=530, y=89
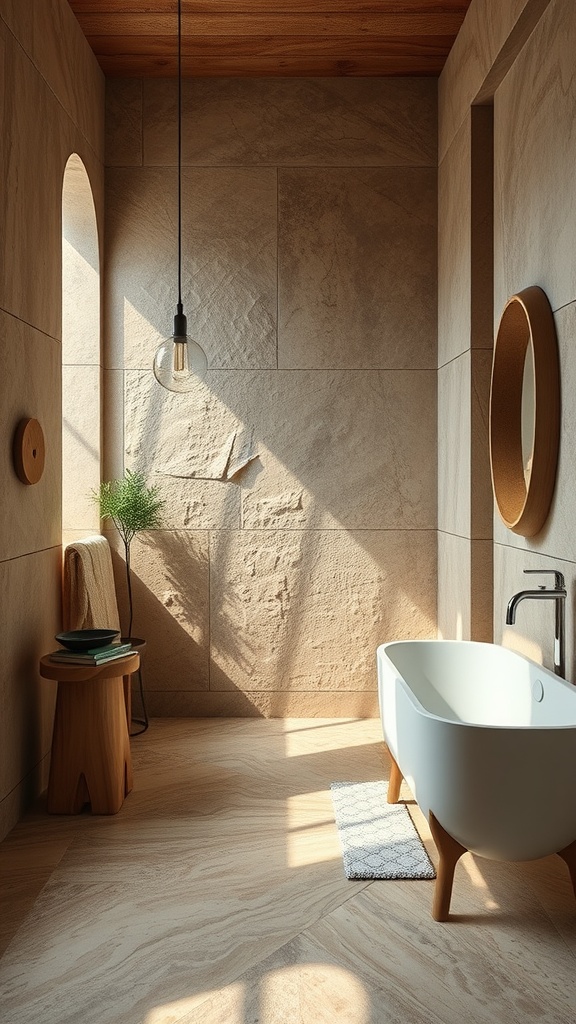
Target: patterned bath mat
x=378, y=840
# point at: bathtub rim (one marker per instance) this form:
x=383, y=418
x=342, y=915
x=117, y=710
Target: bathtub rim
x=458, y=722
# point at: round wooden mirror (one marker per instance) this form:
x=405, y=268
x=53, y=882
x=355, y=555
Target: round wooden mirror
x=525, y=412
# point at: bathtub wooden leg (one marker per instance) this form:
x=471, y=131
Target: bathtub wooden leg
x=450, y=852
x=394, y=783
x=568, y=855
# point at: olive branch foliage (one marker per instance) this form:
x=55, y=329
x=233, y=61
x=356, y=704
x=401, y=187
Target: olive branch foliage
x=132, y=506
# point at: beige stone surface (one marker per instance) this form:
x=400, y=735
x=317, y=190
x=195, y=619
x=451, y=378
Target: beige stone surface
x=533, y=219
x=459, y=973
x=217, y=895
x=532, y=165
x=229, y=263
x=30, y=593
x=482, y=227
x=465, y=303
x=29, y=514
x=454, y=241
x=70, y=536
x=306, y=610
x=454, y=587
x=482, y=596
x=112, y=424
x=52, y=106
x=464, y=498
x=199, y=504
x=177, y=437
x=322, y=449
x=170, y=587
x=65, y=60
x=454, y=446
x=57, y=51
x=465, y=246
x=80, y=446
x=124, y=122
x=481, y=500
x=296, y=437
x=328, y=121
x=535, y=155
x=81, y=381
x=491, y=37
x=357, y=250
x=41, y=135
x=81, y=298
x=30, y=210
x=259, y=704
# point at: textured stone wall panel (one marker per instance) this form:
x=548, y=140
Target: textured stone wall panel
x=306, y=610
x=318, y=122
x=171, y=605
x=357, y=268
x=228, y=263
x=328, y=449
x=304, y=467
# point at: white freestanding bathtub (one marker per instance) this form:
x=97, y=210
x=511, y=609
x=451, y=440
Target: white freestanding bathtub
x=486, y=740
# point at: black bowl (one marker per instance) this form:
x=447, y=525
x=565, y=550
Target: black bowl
x=86, y=639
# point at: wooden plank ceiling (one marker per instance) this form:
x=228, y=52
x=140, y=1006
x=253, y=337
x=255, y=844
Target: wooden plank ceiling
x=264, y=38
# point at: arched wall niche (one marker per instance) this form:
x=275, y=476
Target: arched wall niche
x=81, y=361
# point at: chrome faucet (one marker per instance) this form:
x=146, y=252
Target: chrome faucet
x=558, y=595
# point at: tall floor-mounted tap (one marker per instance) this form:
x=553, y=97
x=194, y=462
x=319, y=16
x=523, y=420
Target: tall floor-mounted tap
x=558, y=595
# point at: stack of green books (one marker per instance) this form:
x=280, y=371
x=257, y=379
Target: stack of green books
x=95, y=656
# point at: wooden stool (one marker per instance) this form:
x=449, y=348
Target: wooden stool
x=90, y=745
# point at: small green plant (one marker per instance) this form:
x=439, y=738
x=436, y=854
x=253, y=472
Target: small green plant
x=132, y=506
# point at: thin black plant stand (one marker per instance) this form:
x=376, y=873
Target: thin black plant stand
x=144, y=722
x=139, y=646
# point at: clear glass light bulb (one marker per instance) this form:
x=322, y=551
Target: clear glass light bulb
x=180, y=363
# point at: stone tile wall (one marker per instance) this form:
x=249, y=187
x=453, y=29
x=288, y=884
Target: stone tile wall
x=300, y=480
x=535, y=156
x=518, y=54
x=464, y=367
x=52, y=106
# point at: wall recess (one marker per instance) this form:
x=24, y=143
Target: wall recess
x=29, y=451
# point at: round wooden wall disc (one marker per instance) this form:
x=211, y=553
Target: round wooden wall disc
x=29, y=451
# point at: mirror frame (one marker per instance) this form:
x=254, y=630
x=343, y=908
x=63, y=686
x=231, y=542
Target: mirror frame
x=524, y=502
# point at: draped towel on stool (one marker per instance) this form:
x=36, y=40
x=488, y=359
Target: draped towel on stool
x=89, y=594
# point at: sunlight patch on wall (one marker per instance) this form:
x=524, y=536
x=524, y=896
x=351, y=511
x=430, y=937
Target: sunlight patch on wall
x=144, y=336
x=80, y=307
x=317, y=557
x=517, y=642
x=81, y=414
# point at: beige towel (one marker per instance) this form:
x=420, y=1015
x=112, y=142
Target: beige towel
x=89, y=595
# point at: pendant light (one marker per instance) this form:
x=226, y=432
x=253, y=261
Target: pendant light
x=179, y=362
